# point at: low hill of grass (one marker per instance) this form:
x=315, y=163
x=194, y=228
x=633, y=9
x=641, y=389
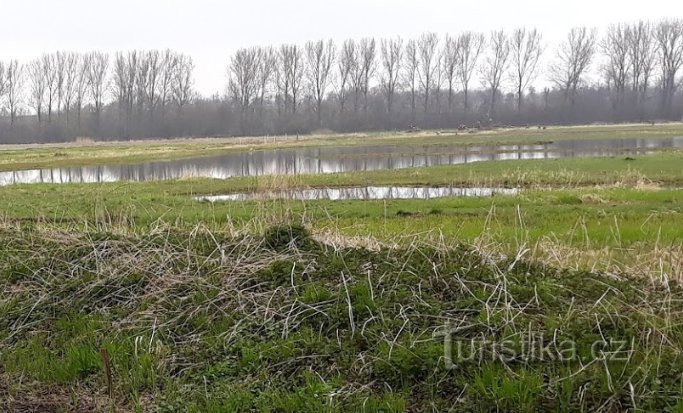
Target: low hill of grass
x=198, y=321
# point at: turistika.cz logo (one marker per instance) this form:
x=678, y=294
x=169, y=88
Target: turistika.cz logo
x=532, y=348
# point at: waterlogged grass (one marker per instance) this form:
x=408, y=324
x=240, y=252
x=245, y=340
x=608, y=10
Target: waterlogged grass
x=614, y=217
x=660, y=169
x=597, y=213
x=204, y=321
x=610, y=201
x=18, y=157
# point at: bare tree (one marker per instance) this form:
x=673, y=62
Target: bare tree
x=71, y=65
x=15, y=86
x=525, y=50
x=60, y=61
x=345, y=68
x=97, y=67
x=243, y=81
x=392, y=55
x=428, y=64
x=641, y=49
x=469, y=48
x=141, y=76
x=367, y=57
x=81, y=85
x=320, y=58
x=615, y=47
x=3, y=80
x=494, y=65
x=266, y=71
x=167, y=68
x=412, y=62
x=292, y=71
x=361, y=71
x=154, y=74
x=37, y=85
x=573, y=59
x=356, y=76
x=282, y=96
x=119, y=86
x=450, y=65
x=50, y=73
x=439, y=77
x=128, y=63
x=183, y=82
x=669, y=38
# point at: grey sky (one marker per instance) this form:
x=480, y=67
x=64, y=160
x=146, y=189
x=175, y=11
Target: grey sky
x=210, y=30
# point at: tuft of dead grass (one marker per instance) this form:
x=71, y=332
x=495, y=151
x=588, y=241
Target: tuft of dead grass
x=84, y=140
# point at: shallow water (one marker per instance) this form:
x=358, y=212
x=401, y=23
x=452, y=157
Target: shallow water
x=322, y=160
x=365, y=193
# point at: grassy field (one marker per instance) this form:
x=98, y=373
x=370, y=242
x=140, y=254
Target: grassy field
x=14, y=157
x=610, y=211
x=135, y=297
x=198, y=321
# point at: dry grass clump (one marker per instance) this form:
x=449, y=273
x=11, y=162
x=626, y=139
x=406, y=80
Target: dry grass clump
x=592, y=199
x=84, y=140
x=538, y=177
x=659, y=264
x=280, y=182
x=335, y=238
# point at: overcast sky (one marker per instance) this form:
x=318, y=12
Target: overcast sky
x=210, y=30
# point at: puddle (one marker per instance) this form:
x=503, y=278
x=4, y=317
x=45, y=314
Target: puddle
x=325, y=160
x=362, y=193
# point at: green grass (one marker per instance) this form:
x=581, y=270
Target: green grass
x=203, y=321
x=562, y=203
x=640, y=215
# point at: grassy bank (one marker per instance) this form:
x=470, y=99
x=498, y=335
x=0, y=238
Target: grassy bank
x=17, y=157
x=178, y=319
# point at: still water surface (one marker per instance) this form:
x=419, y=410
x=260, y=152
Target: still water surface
x=324, y=160
x=365, y=193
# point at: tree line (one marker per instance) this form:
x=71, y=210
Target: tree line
x=66, y=95
x=464, y=80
